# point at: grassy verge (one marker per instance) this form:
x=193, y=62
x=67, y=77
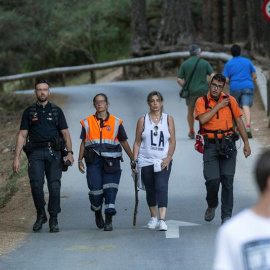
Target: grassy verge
x=12, y=184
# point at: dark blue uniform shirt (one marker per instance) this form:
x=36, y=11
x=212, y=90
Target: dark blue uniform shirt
x=43, y=123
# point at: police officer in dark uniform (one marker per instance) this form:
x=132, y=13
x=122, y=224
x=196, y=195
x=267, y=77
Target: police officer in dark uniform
x=43, y=135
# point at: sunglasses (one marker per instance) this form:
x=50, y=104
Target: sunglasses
x=155, y=131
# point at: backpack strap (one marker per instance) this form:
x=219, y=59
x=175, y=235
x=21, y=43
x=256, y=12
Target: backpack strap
x=55, y=113
x=33, y=111
x=206, y=102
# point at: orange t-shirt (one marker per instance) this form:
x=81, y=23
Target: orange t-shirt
x=223, y=119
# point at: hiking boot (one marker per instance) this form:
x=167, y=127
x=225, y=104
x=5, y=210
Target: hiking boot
x=249, y=133
x=152, y=223
x=209, y=214
x=108, y=223
x=191, y=136
x=53, y=223
x=41, y=219
x=162, y=226
x=225, y=219
x=99, y=219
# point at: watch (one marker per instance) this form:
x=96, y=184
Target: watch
x=71, y=152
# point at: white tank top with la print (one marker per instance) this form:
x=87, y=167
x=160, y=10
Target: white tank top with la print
x=155, y=138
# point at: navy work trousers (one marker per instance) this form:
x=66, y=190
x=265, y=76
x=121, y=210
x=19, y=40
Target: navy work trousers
x=156, y=185
x=102, y=185
x=40, y=164
x=218, y=170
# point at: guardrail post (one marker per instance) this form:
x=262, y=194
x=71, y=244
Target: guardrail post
x=93, y=76
x=218, y=63
x=63, y=79
x=33, y=82
x=2, y=87
x=154, y=71
x=125, y=73
x=180, y=61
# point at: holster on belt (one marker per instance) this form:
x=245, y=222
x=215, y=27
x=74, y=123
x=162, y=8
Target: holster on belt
x=57, y=143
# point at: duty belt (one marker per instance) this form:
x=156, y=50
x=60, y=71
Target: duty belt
x=43, y=144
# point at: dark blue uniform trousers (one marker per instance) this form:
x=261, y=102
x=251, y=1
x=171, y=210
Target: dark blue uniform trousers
x=102, y=185
x=40, y=164
x=219, y=170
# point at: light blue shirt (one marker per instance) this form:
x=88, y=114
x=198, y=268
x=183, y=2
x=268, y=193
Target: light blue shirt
x=239, y=70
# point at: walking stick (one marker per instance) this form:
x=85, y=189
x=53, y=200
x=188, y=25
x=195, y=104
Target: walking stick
x=136, y=199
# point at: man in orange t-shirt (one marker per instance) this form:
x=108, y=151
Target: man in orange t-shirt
x=215, y=114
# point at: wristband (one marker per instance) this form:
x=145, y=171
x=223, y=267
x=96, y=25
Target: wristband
x=135, y=160
x=71, y=152
x=80, y=160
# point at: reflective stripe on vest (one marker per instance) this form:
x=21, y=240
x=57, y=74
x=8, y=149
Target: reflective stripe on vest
x=108, y=144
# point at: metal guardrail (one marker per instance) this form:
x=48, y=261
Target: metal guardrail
x=218, y=57
x=123, y=63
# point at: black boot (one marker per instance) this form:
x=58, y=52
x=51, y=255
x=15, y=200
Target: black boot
x=41, y=219
x=99, y=219
x=53, y=223
x=108, y=223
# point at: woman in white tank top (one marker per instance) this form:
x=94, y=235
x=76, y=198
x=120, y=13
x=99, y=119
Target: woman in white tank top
x=153, y=150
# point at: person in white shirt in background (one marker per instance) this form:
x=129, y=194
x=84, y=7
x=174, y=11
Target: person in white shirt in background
x=243, y=243
x=153, y=149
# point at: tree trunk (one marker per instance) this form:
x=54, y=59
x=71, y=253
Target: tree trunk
x=259, y=28
x=177, y=29
x=229, y=21
x=140, y=38
x=240, y=25
x=207, y=20
x=217, y=21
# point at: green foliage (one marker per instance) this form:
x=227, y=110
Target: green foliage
x=38, y=34
x=94, y=32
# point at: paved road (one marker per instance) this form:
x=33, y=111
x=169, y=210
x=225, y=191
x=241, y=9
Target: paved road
x=80, y=245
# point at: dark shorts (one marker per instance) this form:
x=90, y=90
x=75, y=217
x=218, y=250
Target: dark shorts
x=244, y=97
x=191, y=100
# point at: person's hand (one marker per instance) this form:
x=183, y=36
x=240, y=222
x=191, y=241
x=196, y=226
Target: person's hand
x=134, y=166
x=166, y=162
x=70, y=158
x=16, y=165
x=224, y=102
x=246, y=150
x=81, y=166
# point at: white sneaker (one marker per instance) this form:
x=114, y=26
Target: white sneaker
x=162, y=225
x=152, y=223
